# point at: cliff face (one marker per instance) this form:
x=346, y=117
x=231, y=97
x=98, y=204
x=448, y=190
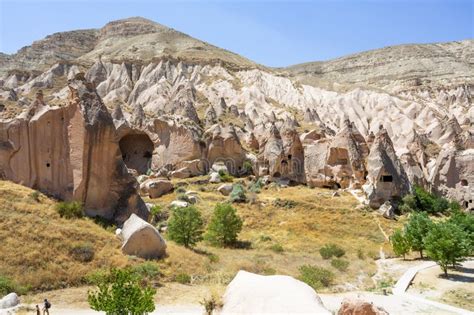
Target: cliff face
x=71, y=153
x=177, y=98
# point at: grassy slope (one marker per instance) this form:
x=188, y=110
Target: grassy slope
x=36, y=242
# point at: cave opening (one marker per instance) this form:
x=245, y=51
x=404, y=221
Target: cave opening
x=137, y=151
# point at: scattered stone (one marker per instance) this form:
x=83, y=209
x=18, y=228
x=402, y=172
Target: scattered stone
x=178, y=204
x=387, y=210
x=225, y=189
x=214, y=178
x=360, y=307
x=336, y=194
x=156, y=188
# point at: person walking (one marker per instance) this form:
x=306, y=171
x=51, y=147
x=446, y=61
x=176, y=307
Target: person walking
x=46, y=307
x=38, y=312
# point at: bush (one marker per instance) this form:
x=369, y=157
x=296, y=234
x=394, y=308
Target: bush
x=238, y=194
x=422, y=201
x=225, y=177
x=400, y=243
x=247, y=167
x=225, y=225
x=416, y=229
x=121, y=292
x=282, y=203
x=330, y=250
x=211, y=304
x=185, y=226
x=256, y=187
x=70, y=210
x=157, y=214
x=316, y=277
x=183, y=278
x=8, y=286
x=340, y=264
x=446, y=243
x=466, y=222
x=82, y=252
x=148, y=270
x=277, y=248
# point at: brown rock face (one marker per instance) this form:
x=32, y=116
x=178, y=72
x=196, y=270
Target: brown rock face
x=71, y=153
x=360, y=307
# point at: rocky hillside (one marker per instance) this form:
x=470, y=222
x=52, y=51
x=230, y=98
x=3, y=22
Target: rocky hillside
x=326, y=124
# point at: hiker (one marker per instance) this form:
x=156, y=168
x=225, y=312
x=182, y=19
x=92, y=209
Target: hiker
x=46, y=307
x=38, y=312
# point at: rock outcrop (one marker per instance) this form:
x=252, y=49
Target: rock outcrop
x=360, y=307
x=141, y=239
x=72, y=153
x=386, y=178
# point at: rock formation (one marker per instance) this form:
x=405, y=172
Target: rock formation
x=360, y=307
x=72, y=153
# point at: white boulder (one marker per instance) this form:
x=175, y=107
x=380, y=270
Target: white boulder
x=214, y=178
x=178, y=204
x=156, y=187
x=9, y=300
x=141, y=239
x=250, y=293
x=225, y=189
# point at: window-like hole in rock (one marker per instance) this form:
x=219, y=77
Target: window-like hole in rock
x=386, y=178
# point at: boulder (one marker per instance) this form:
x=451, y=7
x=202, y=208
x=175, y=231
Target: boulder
x=183, y=172
x=249, y=293
x=156, y=187
x=142, y=239
x=387, y=210
x=360, y=307
x=214, y=178
x=178, y=204
x=225, y=189
x=9, y=300
x=193, y=199
x=219, y=166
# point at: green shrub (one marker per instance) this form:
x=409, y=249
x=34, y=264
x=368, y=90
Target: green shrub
x=7, y=286
x=121, y=292
x=256, y=187
x=238, y=194
x=213, y=258
x=157, y=214
x=277, y=248
x=70, y=210
x=466, y=222
x=183, y=278
x=225, y=177
x=282, y=203
x=185, y=226
x=330, y=250
x=423, y=201
x=247, y=167
x=340, y=264
x=225, y=225
x=148, y=270
x=82, y=252
x=316, y=277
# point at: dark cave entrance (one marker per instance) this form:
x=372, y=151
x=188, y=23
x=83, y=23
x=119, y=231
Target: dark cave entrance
x=137, y=151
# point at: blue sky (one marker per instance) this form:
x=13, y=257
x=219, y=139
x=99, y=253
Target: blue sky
x=274, y=33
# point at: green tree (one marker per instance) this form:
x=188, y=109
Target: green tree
x=416, y=229
x=185, y=226
x=225, y=225
x=446, y=243
x=120, y=293
x=400, y=243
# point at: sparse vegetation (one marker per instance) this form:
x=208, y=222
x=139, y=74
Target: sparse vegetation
x=238, y=194
x=121, y=292
x=225, y=225
x=277, y=248
x=83, y=252
x=35, y=195
x=225, y=177
x=247, y=167
x=281, y=203
x=330, y=250
x=70, y=210
x=316, y=277
x=183, y=278
x=185, y=226
x=340, y=264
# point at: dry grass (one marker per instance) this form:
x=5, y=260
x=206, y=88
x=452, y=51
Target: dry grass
x=36, y=242
x=315, y=220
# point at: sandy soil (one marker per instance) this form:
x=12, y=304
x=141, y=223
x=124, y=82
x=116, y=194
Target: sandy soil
x=456, y=290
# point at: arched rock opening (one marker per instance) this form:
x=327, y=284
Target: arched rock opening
x=137, y=151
